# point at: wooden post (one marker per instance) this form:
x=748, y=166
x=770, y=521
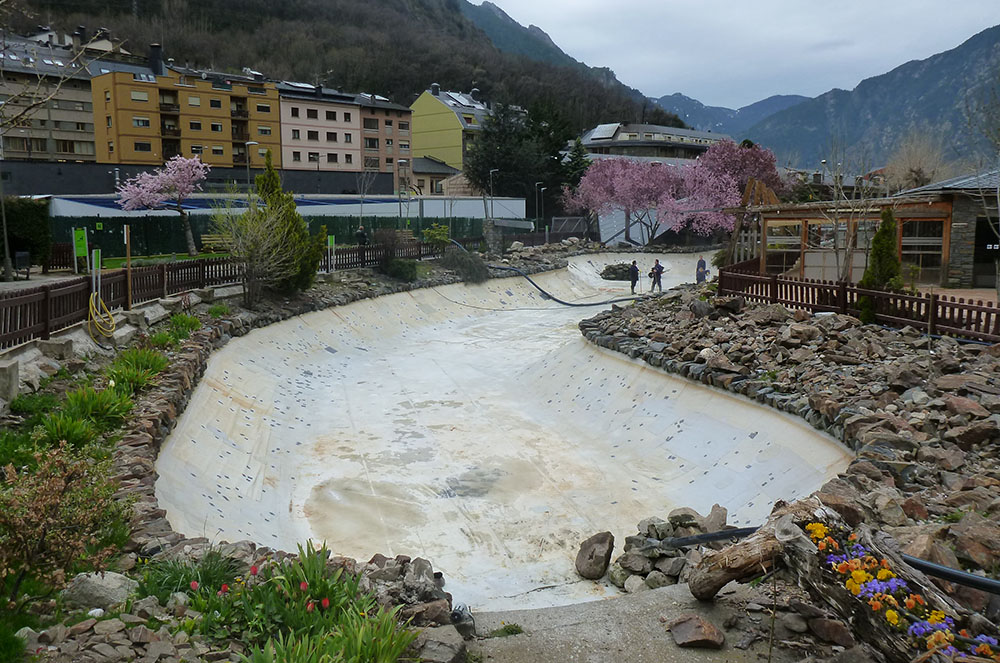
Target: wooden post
x=128, y=267
x=932, y=313
x=163, y=280
x=46, y=311
x=802, y=248
x=763, y=244
x=202, y=275
x=774, y=289
x=842, y=297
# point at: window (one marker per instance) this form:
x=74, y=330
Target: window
x=111, y=147
x=107, y=95
x=371, y=123
x=80, y=126
x=372, y=163
x=388, y=123
x=197, y=149
x=331, y=136
x=388, y=161
x=404, y=146
x=371, y=143
x=146, y=78
x=218, y=150
x=331, y=157
x=256, y=90
x=263, y=131
x=295, y=134
x=221, y=85
x=331, y=115
x=295, y=111
x=296, y=156
x=143, y=147
x=388, y=142
x=140, y=121
x=263, y=108
x=217, y=126
x=194, y=101
x=64, y=146
x=109, y=121
x=140, y=95
x=313, y=135
x=215, y=103
x=312, y=113
x=314, y=156
x=439, y=186
x=195, y=125
x=262, y=152
x=347, y=138
x=347, y=117
x=404, y=126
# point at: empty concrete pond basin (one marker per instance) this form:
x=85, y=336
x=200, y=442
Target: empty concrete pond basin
x=475, y=427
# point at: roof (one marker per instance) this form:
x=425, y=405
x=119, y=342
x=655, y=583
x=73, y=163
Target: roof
x=606, y=134
x=986, y=180
x=432, y=166
x=27, y=56
x=375, y=101
x=305, y=91
x=463, y=105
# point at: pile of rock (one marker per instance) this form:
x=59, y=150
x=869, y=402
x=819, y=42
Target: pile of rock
x=616, y=272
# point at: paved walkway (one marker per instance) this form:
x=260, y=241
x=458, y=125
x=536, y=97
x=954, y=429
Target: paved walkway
x=985, y=295
x=36, y=280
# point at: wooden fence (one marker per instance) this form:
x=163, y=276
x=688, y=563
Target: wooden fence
x=932, y=313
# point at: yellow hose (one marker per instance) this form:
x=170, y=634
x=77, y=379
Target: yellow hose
x=100, y=318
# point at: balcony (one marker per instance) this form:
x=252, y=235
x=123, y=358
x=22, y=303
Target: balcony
x=239, y=158
x=170, y=131
x=170, y=154
x=240, y=113
x=169, y=108
x=241, y=136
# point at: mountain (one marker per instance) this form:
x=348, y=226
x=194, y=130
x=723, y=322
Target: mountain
x=866, y=124
x=395, y=48
x=725, y=120
x=511, y=37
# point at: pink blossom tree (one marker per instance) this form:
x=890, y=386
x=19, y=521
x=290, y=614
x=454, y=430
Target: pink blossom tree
x=652, y=194
x=166, y=187
x=742, y=161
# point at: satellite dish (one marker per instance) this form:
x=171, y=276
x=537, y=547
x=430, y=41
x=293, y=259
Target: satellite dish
x=204, y=76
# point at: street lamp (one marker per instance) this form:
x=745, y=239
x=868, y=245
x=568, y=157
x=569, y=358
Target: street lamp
x=247, y=146
x=536, y=198
x=543, y=203
x=492, y=170
x=400, y=163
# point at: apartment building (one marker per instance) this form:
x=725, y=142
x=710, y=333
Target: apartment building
x=446, y=124
x=320, y=128
x=146, y=118
x=649, y=140
x=386, y=134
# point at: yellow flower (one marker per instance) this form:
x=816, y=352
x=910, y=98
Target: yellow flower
x=892, y=617
x=936, y=617
x=861, y=577
x=817, y=531
x=852, y=586
x=885, y=574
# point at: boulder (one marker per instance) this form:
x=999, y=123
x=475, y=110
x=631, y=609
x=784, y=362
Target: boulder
x=99, y=590
x=594, y=556
x=635, y=584
x=694, y=631
x=635, y=562
x=657, y=579
x=617, y=575
x=832, y=630
x=443, y=644
x=685, y=517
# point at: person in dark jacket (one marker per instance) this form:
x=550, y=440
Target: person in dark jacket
x=657, y=274
x=361, y=236
x=701, y=271
x=633, y=275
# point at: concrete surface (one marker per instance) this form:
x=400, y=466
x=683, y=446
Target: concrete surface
x=473, y=426
x=623, y=629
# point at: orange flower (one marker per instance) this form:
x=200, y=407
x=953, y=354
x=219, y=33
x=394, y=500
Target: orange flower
x=854, y=564
x=821, y=545
x=852, y=537
x=875, y=604
x=843, y=567
x=984, y=650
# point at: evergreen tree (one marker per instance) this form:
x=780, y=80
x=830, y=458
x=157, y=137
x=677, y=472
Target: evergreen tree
x=883, y=271
x=576, y=165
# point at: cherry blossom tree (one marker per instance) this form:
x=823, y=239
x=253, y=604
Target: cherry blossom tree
x=652, y=194
x=741, y=161
x=167, y=187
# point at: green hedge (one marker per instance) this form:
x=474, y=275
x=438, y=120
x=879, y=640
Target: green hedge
x=28, y=228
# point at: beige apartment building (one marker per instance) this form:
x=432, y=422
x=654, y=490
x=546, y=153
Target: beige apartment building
x=385, y=132
x=320, y=128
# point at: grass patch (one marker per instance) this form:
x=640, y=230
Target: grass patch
x=11, y=646
x=163, y=578
x=17, y=449
x=468, y=265
x=33, y=407
x=182, y=324
x=139, y=261
x=62, y=427
x=162, y=340
x=105, y=409
x=218, y=310
x=505, y=631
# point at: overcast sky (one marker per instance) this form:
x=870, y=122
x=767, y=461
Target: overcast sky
x=735, y=52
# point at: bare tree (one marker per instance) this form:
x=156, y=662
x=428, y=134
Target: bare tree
x=266, y=249
x=365, y=179
x=918, y=161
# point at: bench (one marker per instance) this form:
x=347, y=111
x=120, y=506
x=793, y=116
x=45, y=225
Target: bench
x=215, y=243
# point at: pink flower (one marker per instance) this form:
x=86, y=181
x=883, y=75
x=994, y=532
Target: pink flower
x=225, y=588
x=194, y=585
x=253, y=570
x=310, y=606
x=325, y=603
x=303, y=585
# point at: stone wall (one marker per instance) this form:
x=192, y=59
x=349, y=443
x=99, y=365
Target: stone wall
x=965, y=211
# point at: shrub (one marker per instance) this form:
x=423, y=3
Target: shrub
x=162, y=340
x=105, y=409
x=62, y=427
x=719, y=258
x=883, y=265
x=163, y=578
x=182, y=324
x=437, y=236
x=16, y=449
x=218, y=310
x=128, y=379
x=33, y=407
x=469, y=266
x=387, y=239
x=49, y=517
x=11, y=646
x=404, y=270
x=144, y=358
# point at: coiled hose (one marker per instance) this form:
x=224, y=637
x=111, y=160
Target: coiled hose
x=99, y=318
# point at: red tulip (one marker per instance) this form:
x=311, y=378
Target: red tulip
x=325, y=603
x=310, y=606
x=303, y=585
x=253, y=570
x=225, y=588
x=194, y=585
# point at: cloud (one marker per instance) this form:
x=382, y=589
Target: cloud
x=730, y=53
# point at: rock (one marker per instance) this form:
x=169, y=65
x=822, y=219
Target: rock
x=594, y=556
x=656, y=528
x=672, y=566
x=517, y=246
x=695, y=631
x=685, y=517
x=442, y=644
x=832, y=630
x=794, y=622
x=146, y=607
x=966, y=406
x=109, y=626
x=657, y=579
x=701, y=308
x=636, y=563
x=82, y=627
x=914, y=508
x=947, y=459
x=635, y=584
x=54, y=634
x=852, y=655
x=968, y=436
x=617, y=575
x=100, y=590
x=715, y=521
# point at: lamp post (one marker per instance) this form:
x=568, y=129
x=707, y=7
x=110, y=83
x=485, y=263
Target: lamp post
x=400, y=164
x=247, y=146
x=492, y=170
x=536, y=199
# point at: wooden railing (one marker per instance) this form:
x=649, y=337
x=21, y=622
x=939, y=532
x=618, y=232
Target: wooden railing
x=932, y=313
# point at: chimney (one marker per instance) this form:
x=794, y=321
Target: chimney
x=474, y=93
x=319, y=90
x=156, y=59
x=435, y=89
x=77, y=41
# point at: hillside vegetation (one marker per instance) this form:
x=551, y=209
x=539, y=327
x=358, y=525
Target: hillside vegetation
x=396, y=48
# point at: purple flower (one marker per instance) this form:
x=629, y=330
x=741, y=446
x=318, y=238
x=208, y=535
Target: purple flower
x=992, y=642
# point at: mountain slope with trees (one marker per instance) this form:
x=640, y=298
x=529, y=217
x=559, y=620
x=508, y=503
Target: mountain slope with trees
x=731, y=121
x=396, y=48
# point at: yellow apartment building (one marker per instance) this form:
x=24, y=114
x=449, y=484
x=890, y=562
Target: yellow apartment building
x=446, y=124
x=148, y=118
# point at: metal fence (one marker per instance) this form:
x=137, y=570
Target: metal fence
x=932, y=313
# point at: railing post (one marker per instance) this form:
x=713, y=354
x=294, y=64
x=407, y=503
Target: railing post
x=842, y=297
x=774, y=288
x=202, y=273
x=932, y=313
x=163, y=280
x=46, y=311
